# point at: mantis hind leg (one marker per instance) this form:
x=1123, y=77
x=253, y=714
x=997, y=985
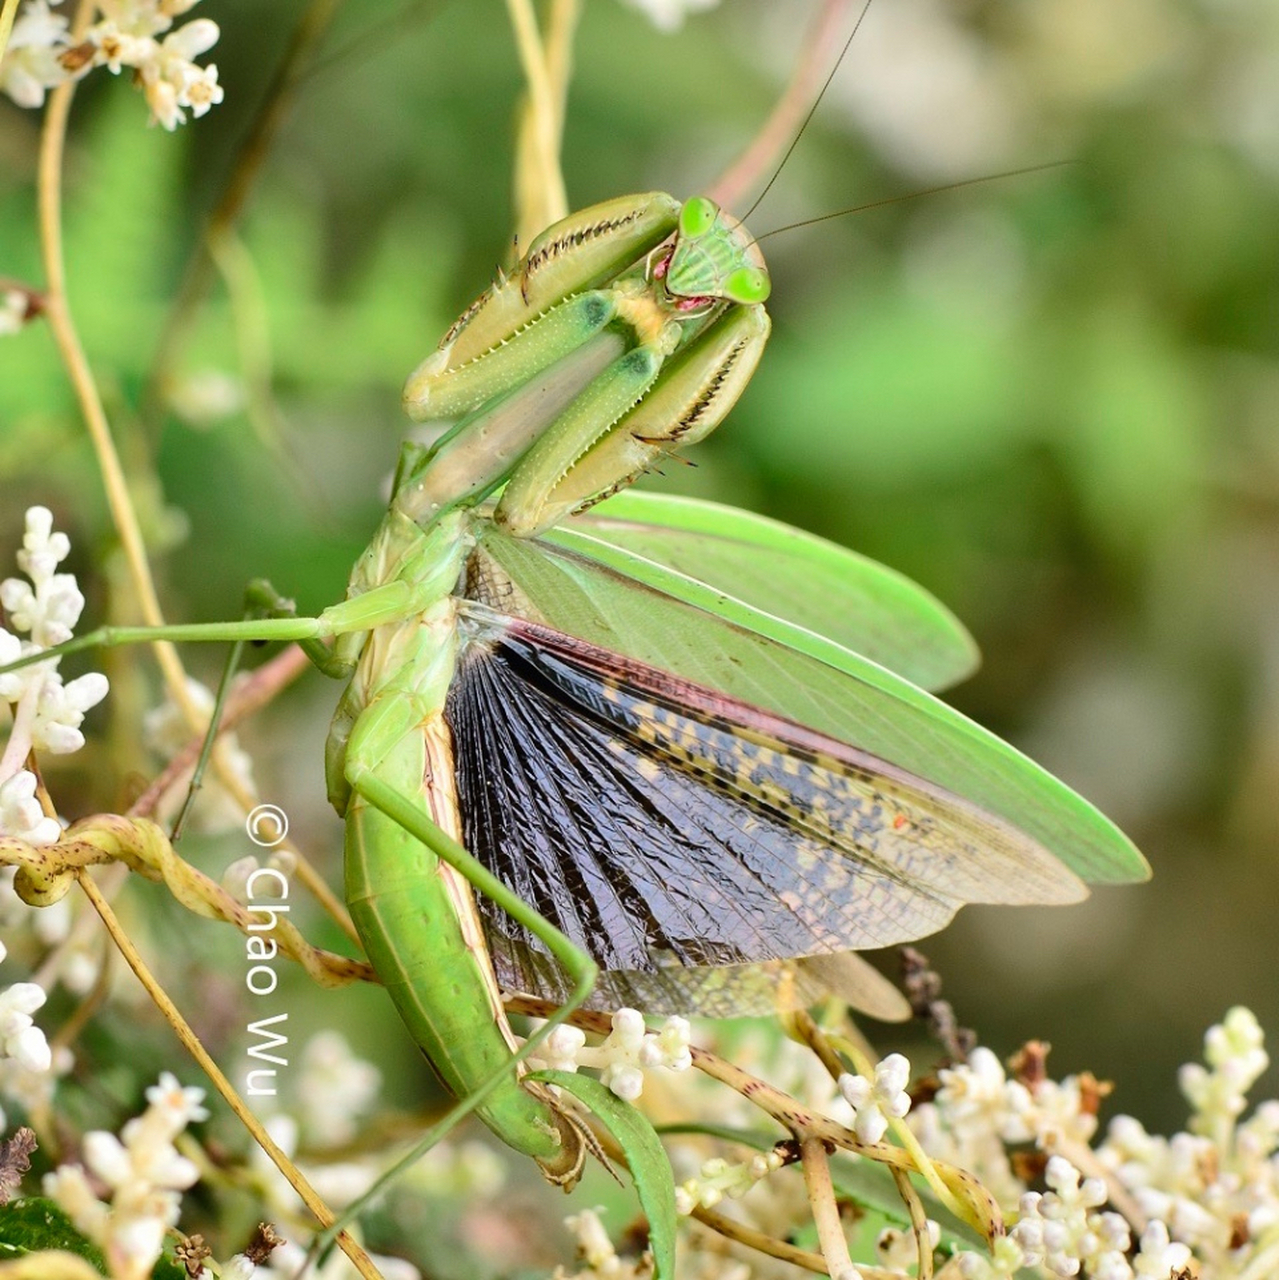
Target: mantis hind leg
x=383, y=904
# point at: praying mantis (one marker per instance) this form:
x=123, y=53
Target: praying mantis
x=769, y=800
x=582, y=752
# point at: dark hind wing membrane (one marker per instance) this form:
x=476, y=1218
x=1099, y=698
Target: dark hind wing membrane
x=846, y=797
x=683, y=839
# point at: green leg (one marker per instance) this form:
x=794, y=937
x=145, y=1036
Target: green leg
x=391, y=602
x=402, y=809
x=406, y=813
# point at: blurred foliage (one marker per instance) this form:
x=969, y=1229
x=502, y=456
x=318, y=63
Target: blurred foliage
x=1052, y=399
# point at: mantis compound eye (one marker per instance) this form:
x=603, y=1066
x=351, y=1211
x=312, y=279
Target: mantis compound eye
x=748, y=285
x=697, y=216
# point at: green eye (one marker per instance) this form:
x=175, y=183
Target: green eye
x=697, y=216
x=747, y=285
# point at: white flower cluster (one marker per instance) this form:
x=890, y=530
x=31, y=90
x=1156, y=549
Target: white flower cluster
x=291, y=1260
x=1207, y=1198
x=143, y=1175
x=46, y=713
x=718, y=1178
x=625, y=1054
x=1061, y=1229
x=1132, y=1206
x=596, y=1253
x=1216, y=1186
x=129, y=33
x=25, y=1055
x=334, y=1088
x=876, y=1102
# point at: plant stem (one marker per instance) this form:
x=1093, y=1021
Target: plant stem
x=821, y=1195
x=539, y=184
x=8, y=12
x=67, y=340
x=788, y=117
x=247, y=167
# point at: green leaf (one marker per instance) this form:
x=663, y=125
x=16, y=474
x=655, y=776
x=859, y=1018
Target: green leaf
x=819, y=683
x=35, y=1224
x=650, y=1168
x=780, y=572
x=30, y=1225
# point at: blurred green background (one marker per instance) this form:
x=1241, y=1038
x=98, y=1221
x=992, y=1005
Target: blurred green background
x=1053, y=399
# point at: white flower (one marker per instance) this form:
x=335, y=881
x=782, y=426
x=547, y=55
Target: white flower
x=1158, y=1257
x=42, y=549
x=623, y=1080
x=162, y=98
x=670, y=1048
x=1059, y=1230
x=61, y=711
x=31, y=63
x=874, y=1102
x=136, y=1239
x=49, y=605
x=48, y=714
x=12, y=684
x=13, y=302
x=38, y=25
x=1051, y=1112
x=117, y=48
x=1234, y=1050
x=627, y=1052
x=181, y=1104
x=976, y=1097
x=70, y=1189
x=124, y=36
x=33, y=1090
x=202, y=90
x=669, y=15
x=593, y=1244
x=137, y=17
x=561, y=1047
x=287, y=1262
x=144, y=1174
x=1005, y=1261
x=334, y=1087
x=188, y=42
x=20, y=1038
x=21, y=814
x=171, y=80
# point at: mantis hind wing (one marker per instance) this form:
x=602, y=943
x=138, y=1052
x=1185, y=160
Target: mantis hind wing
x=696, y=846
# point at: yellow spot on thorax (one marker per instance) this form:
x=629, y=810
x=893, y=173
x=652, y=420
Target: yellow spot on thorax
x=638, y=306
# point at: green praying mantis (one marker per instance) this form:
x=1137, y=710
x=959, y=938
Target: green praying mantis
x=583, y=752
